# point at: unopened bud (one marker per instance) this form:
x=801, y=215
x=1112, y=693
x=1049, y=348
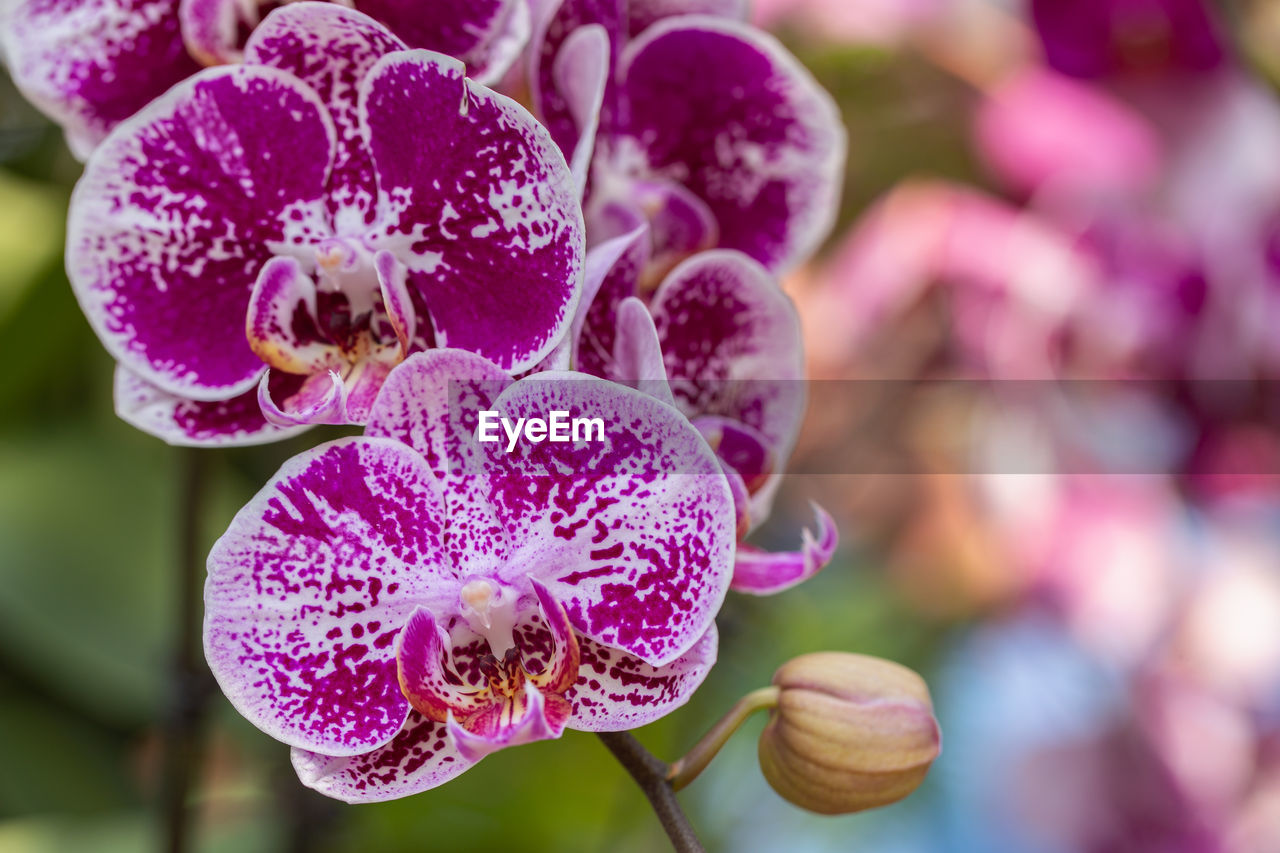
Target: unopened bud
x=849, y=732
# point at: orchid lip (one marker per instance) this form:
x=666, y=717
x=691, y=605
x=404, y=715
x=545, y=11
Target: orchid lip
x=510, y=702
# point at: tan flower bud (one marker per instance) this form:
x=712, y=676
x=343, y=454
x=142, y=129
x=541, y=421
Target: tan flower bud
x=849, y=732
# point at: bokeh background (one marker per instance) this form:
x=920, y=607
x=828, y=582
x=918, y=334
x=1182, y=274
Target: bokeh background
x=1036, y=191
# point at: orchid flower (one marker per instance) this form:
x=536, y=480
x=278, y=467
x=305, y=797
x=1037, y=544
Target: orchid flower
x=704, y=128
x=91, y=64
x=719, y=340
x=285, y=231
x=398, y=605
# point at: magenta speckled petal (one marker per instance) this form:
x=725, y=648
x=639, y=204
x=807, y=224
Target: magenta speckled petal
x=767, y=161
x=420, y=757
x=178, y=211
x=487, y=35
x=747, y=451
x=557, y=91
x=90, y=64
x=430, y=402
x=177, y=420
x=680, y=223
x=331, y=49
x=309, y=588
x=637, y=352
x=632, y=534
x=616, y=691
x=479, y=204
x=212, y=28
x=732, y=344
x=581, y=73
x=562, y=19
x=613, y=274
x=642, y=14
x=758, y=572
x=598, y=268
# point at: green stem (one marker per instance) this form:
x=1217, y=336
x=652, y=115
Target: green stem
x=650, y=774
x=696, y=760
x=191, y=687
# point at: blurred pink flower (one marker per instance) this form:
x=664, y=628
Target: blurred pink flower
x=1095, y=38
x=1011, y=277
x=1105, y=552
x=1041, y=131
x=866, y=21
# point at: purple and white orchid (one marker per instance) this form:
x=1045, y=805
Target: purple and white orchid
x=285, y=231
x=91, y=64
x=398, y=605
x=704, y=128
x=719, y=340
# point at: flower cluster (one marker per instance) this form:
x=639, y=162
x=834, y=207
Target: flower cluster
x=333, y=223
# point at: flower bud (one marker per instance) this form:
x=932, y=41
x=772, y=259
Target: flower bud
x=849, y=732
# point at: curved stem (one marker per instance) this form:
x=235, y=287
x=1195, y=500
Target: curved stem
x=184, y=725
x=696, y=760
x=650, y=774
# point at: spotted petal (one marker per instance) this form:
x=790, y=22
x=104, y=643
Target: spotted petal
x=732, y=345
x=478, y=203
x=177, y=420
x=581, y=74
x=637, y=352
x=176, y=214
x=331, y=49
x=759, y=572
x=485, y=34
x=420, y=757
x=642, y=14
x=632, y=533
x=616, y=691
x=768, y=161
x=613, y=274
x=559, y=22
x=431, y=403
x=91, y=64
x=309, y=587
